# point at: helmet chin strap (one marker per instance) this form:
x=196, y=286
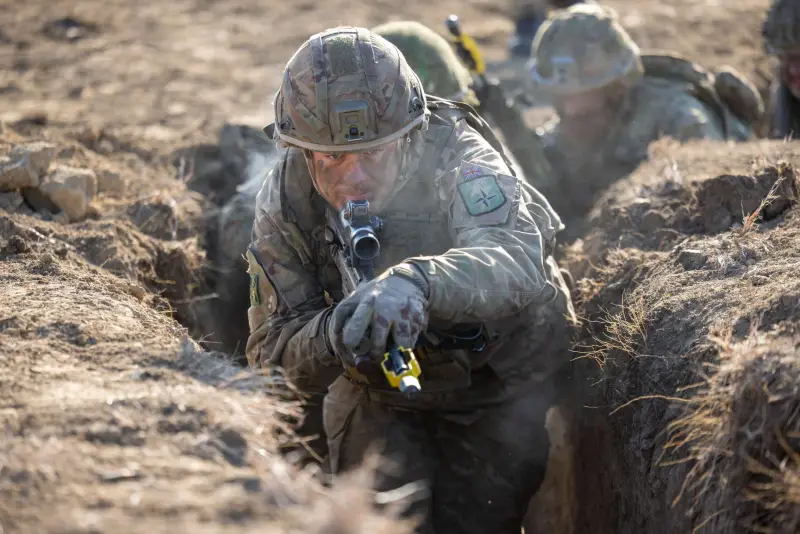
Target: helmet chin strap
x=308, y=157
x=403, y=167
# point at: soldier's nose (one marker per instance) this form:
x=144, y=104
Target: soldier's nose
x=358, y=175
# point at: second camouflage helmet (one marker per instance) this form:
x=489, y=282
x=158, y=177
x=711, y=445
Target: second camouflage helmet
x=431, y=57
x=347, y=89
x=583, y=48
x=781, y=28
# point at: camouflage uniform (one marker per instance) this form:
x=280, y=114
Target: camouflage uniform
x=782, y=37
x=443, y=74
x=432, y=58
x=483, y=240
x=585, y=49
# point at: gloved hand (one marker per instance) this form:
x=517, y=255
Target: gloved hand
x=390, y=304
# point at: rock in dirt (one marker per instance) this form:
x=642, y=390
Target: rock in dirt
x=10, y=202
x=17, y=245
x=111, y=183
x=25, y=165
x=68, y=29
x=70, y=189
x=692, y=259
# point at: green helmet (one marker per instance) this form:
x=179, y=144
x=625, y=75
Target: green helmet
x=583, y=48
x=347, y=89
x=431, y=57
x=781, y=28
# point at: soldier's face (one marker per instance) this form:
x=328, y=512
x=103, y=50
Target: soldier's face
x=791, y=73
x=585, y=116
x=365, y=175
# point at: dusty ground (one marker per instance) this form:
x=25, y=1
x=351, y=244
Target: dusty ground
x=178, y=70
x=110, y=425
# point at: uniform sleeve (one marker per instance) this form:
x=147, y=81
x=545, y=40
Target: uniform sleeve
x=689, y=119
x=496, y=268
x=288, y=311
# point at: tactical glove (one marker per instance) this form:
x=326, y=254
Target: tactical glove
x=392, y=307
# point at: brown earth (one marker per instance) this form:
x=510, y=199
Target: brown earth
x=113, y=421
x=176, y=71
x=689, y=346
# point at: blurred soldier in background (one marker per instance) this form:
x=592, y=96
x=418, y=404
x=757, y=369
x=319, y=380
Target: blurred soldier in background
x=612, y=102
x=443, y=74
x=528, y=16
x=782, y=39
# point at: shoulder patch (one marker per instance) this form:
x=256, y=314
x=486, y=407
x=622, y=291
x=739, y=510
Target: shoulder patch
x=262, y=292
x=481, y=195
x=486, y=198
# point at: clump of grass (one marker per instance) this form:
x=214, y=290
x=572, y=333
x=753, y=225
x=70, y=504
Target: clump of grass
x=749, y=221
x=621, y=332
x=786, y=174
x=741, y=435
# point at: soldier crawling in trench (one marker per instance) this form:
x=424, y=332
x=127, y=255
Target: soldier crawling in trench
x=465, y=247
x=441, y=73
x=612, y=101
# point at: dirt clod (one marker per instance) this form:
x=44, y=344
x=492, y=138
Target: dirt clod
x=692, y=258
x=12, y=201
x=17, y=245
x=70, y=190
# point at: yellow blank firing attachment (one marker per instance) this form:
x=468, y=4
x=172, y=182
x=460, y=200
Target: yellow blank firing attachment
x=466, y=47
x=402, y=370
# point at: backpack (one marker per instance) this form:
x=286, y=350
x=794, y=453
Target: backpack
x=477, y=122
x=725, y=90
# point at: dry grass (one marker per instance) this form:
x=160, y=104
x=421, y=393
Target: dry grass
x=749, y=221
x=741, y=435
x=621, y=332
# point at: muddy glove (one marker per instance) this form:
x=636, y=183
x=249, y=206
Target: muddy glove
x=392, y=307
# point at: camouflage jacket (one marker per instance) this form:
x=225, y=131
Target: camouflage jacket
x=654, y=108
x=483, y=238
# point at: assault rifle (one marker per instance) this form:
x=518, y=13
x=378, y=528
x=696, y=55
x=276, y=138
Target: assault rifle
x=355, y=247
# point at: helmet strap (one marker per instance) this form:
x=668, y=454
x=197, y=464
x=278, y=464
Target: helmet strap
x=308, y=156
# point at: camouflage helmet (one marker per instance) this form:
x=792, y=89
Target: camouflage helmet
x=347, y=89
x=781, y=28
x=431, y=57
x=583, y=48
